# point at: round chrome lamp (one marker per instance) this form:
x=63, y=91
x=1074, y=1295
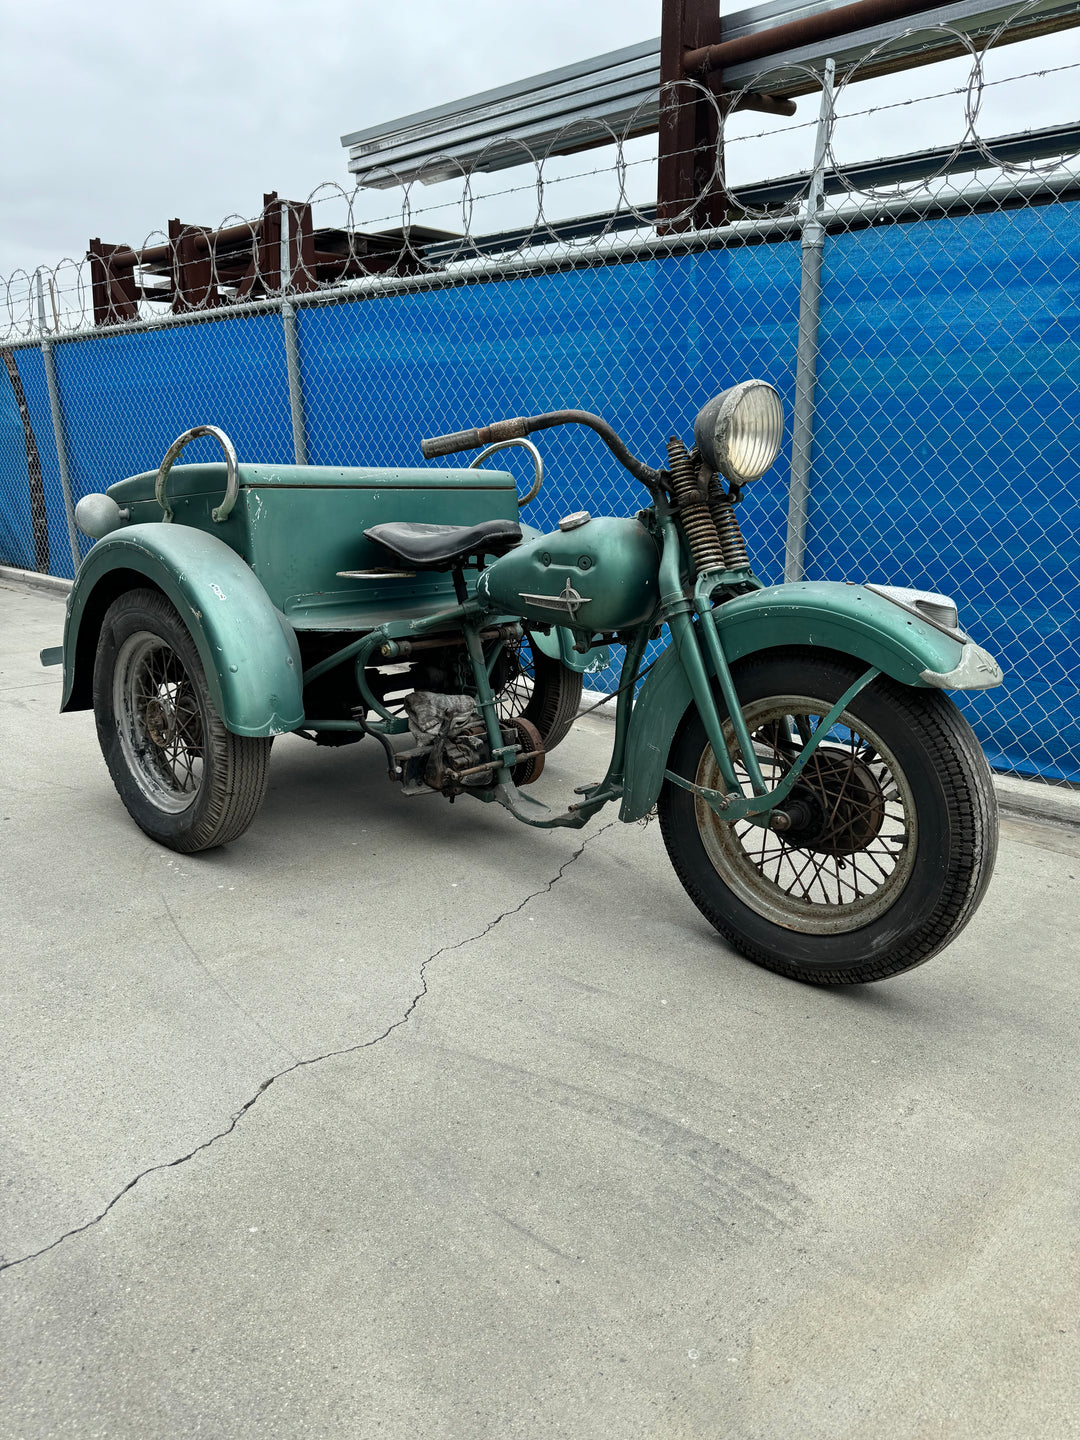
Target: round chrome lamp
x=739, y=432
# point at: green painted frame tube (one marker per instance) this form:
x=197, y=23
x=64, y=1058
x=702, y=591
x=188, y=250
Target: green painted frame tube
x=485, y=701
x=704, y=607
x=676, y=610
x=740, y=807
x=532, y=812
x=611, y=786
x=392, y=630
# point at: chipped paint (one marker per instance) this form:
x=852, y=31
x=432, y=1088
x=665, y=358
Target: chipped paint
x=218, y=591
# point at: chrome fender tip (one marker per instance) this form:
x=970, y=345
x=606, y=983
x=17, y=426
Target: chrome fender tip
x=977, y=671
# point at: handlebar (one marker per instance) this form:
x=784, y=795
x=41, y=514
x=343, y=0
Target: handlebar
x=523, y=425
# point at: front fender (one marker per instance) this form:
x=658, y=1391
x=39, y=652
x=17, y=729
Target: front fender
x=827, y=614
x=248, y=649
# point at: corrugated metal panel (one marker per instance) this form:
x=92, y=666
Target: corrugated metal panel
x=616, y=94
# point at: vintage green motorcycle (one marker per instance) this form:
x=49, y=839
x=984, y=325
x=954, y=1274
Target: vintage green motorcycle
x=823, y=802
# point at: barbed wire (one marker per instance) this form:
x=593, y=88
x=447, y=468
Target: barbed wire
x=197, y=271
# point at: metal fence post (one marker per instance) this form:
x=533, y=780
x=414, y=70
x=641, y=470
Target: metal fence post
x=296, y=393
x=52, y=381
x=813, y=247
x=292, y=347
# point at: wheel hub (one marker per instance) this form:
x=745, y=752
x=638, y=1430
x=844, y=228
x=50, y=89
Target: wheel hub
x=851, y=835
x=160, y=721
x=838, y=807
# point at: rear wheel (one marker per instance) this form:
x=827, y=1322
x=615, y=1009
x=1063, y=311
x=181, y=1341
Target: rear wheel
x=185, y=779
x=893, y=829
x=530, y=685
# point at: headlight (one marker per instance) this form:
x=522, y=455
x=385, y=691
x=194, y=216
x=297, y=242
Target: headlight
x=739, y=432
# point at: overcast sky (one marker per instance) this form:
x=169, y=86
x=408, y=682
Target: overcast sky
x=118, y=118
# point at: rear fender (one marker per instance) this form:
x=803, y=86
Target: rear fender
x=828, y=615
x=248, y=649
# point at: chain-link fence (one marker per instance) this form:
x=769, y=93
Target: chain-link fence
x=920, y=317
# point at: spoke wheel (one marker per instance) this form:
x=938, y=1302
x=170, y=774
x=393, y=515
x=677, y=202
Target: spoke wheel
x=892, y=825
x=184, y=778
x=851, y=847
x=159, y=722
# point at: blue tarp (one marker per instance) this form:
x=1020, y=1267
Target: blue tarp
x=947, y=428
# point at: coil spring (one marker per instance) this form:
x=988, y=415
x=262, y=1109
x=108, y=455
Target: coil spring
x=695, y=514
x=727, y=527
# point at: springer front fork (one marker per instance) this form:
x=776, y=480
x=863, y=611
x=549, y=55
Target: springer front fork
x=699, y=642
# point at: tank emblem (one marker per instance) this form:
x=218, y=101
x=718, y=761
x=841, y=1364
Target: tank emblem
x=569, y=600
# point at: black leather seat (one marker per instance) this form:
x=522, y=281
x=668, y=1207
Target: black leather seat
x=442, y=547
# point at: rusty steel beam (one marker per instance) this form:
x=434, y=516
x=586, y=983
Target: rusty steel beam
x=704, y=59
x=112, y=284
x=690, y=181
x=689, y=192
x=894, y=63
x=280, y=251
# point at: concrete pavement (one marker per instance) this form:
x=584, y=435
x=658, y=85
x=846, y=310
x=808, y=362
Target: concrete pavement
x=538, y=1155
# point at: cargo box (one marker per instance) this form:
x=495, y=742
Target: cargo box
x=298, y=526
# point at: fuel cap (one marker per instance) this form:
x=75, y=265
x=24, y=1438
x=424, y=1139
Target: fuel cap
x=575, y=521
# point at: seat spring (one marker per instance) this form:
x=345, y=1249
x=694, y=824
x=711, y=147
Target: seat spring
x=695, y=515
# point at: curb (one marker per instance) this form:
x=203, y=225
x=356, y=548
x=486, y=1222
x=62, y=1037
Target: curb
x=1034, y=800
x=52, y=584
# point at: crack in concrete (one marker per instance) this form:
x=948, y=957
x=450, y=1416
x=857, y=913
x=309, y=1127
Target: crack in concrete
x=544, y=889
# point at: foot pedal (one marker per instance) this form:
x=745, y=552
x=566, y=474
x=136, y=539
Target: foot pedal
x=411, y=765
x=585, y=789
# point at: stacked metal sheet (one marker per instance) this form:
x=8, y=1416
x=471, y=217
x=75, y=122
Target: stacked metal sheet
x=616, y=96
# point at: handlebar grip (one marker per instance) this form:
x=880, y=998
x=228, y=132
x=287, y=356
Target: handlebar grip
x=486, y=435
x=450, y=444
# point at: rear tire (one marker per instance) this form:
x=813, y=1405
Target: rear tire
x=543, y=691
x=187, y=781
x=894, y=830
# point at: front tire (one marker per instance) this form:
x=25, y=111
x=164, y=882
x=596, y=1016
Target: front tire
x=186, y=781
x=894, y=825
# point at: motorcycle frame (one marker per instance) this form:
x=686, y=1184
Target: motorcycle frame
x=691, y=622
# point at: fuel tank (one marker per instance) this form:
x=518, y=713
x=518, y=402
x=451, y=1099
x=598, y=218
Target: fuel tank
x=600, y=575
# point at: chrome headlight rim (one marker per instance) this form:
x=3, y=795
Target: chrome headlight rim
x=740, y=431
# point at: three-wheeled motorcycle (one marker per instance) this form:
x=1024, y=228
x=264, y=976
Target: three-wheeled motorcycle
x=822, y=800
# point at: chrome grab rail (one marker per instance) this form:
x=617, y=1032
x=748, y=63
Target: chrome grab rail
x=538, y=464
x=232, y=480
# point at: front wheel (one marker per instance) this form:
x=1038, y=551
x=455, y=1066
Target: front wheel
x=186, y=780
x=893, y=825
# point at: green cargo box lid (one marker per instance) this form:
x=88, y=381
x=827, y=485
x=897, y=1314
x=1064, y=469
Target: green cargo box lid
x=209, y=479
